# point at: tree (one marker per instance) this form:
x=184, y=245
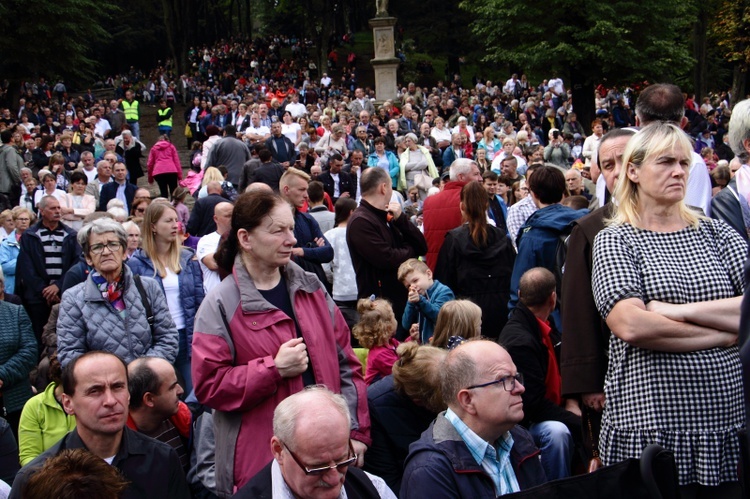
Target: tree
x=588, y=41
x=730, y=29
x=50, y=39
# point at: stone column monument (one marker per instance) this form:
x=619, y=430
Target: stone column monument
x=385, y=64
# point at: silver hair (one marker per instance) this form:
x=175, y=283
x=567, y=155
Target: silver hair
x=739, y=129
x=127, y=132
x=289, y=411
x=118, y=213
x=45, y=201
x=459, y=370
x=461, y=166
x=101, y=226
x=129, y=225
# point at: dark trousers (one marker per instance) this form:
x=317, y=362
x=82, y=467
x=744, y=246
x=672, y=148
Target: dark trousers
x=167, y=183
x=39, y=315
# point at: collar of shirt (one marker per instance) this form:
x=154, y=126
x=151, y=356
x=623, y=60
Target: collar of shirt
x=496, y=463
x=279, y=488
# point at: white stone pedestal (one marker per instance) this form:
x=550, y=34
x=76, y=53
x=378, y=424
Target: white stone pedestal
x=385, y=64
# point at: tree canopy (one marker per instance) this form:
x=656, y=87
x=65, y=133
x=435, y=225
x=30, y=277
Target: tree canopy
x=626, y=42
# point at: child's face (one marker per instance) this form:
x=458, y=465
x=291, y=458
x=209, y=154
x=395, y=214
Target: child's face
x=421, y=281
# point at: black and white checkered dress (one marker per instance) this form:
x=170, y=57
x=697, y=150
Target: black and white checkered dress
x=690, y=403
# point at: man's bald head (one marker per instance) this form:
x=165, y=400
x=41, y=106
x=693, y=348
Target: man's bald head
x=258, y=187
x=213, y=187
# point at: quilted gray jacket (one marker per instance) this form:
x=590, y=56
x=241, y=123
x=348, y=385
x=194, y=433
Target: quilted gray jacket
x=88, y=322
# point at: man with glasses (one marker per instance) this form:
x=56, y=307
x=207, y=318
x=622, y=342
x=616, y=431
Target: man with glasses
x=534, y=345
x=476, y=448
x=312, y=453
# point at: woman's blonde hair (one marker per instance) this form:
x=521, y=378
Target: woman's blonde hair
x=649, y=143
x=376, y=319
x=416, y=374
x=457, y=318
x=212, y=174
x=170, y=260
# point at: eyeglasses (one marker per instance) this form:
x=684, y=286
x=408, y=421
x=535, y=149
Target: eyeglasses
x=98, y=249
x=512, y=380
x=23, y=219
x=340, y=467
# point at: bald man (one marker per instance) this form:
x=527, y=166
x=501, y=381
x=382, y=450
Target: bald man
x=155, y=407
x=209, y=243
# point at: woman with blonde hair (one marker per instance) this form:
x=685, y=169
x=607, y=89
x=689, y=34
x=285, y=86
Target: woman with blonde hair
x=212, y=174
x=669, y=284
x=402, y=406
x=176, y=269
x=458, y=320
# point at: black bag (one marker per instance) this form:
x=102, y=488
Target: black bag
x=653, y=476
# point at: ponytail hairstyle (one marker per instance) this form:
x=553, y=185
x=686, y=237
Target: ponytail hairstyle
x=474, y=206
x=416, y=374
x=249, y=211
x=377, y=323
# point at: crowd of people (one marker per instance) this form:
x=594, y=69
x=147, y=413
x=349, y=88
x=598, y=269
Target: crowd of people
x=455, y=293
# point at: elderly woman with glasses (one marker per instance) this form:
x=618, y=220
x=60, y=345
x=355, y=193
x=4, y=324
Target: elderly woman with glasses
x=112, y=310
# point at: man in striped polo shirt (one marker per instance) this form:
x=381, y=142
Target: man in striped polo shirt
x=48, y=250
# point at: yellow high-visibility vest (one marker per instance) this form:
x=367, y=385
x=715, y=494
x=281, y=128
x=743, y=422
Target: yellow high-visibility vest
x=163, y=121
x=131, y=110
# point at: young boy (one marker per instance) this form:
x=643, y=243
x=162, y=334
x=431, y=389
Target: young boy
x=426, y=296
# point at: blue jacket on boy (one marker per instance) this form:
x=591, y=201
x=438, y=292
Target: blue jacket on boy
x=426, y=311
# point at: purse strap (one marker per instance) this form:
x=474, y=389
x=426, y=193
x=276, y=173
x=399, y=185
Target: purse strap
x=146, y=304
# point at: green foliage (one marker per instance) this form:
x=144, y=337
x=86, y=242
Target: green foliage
x=52, y=39
x=623, y=41
x=730, y=29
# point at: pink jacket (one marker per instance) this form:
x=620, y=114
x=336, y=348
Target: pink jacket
x=163, y=158
x=236, y=337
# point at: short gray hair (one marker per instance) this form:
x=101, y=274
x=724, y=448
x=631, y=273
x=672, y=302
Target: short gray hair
x=461, y=166
x=45, y=201
x=289, y=410
x=101, y=226
x=739, y=129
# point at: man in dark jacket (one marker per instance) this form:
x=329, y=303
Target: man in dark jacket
x=476, y=449
x=269, y=172
x=152, y=468
x=201, y=220
x=118, y=189
x=282, y=149
x=533, y=344
x=338, y=183
x=380, y=239
x=310, y=439
x=312, y=249
x=48, y=250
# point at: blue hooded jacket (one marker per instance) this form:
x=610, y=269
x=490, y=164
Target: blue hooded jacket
x=537, y=245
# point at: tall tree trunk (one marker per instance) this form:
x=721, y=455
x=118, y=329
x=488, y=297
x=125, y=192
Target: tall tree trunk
x=700, y=36
x=583, y=98
x=739, y=78
x=248, y=20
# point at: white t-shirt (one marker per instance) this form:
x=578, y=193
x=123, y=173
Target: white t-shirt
x=171, y=285
x=207, y=245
